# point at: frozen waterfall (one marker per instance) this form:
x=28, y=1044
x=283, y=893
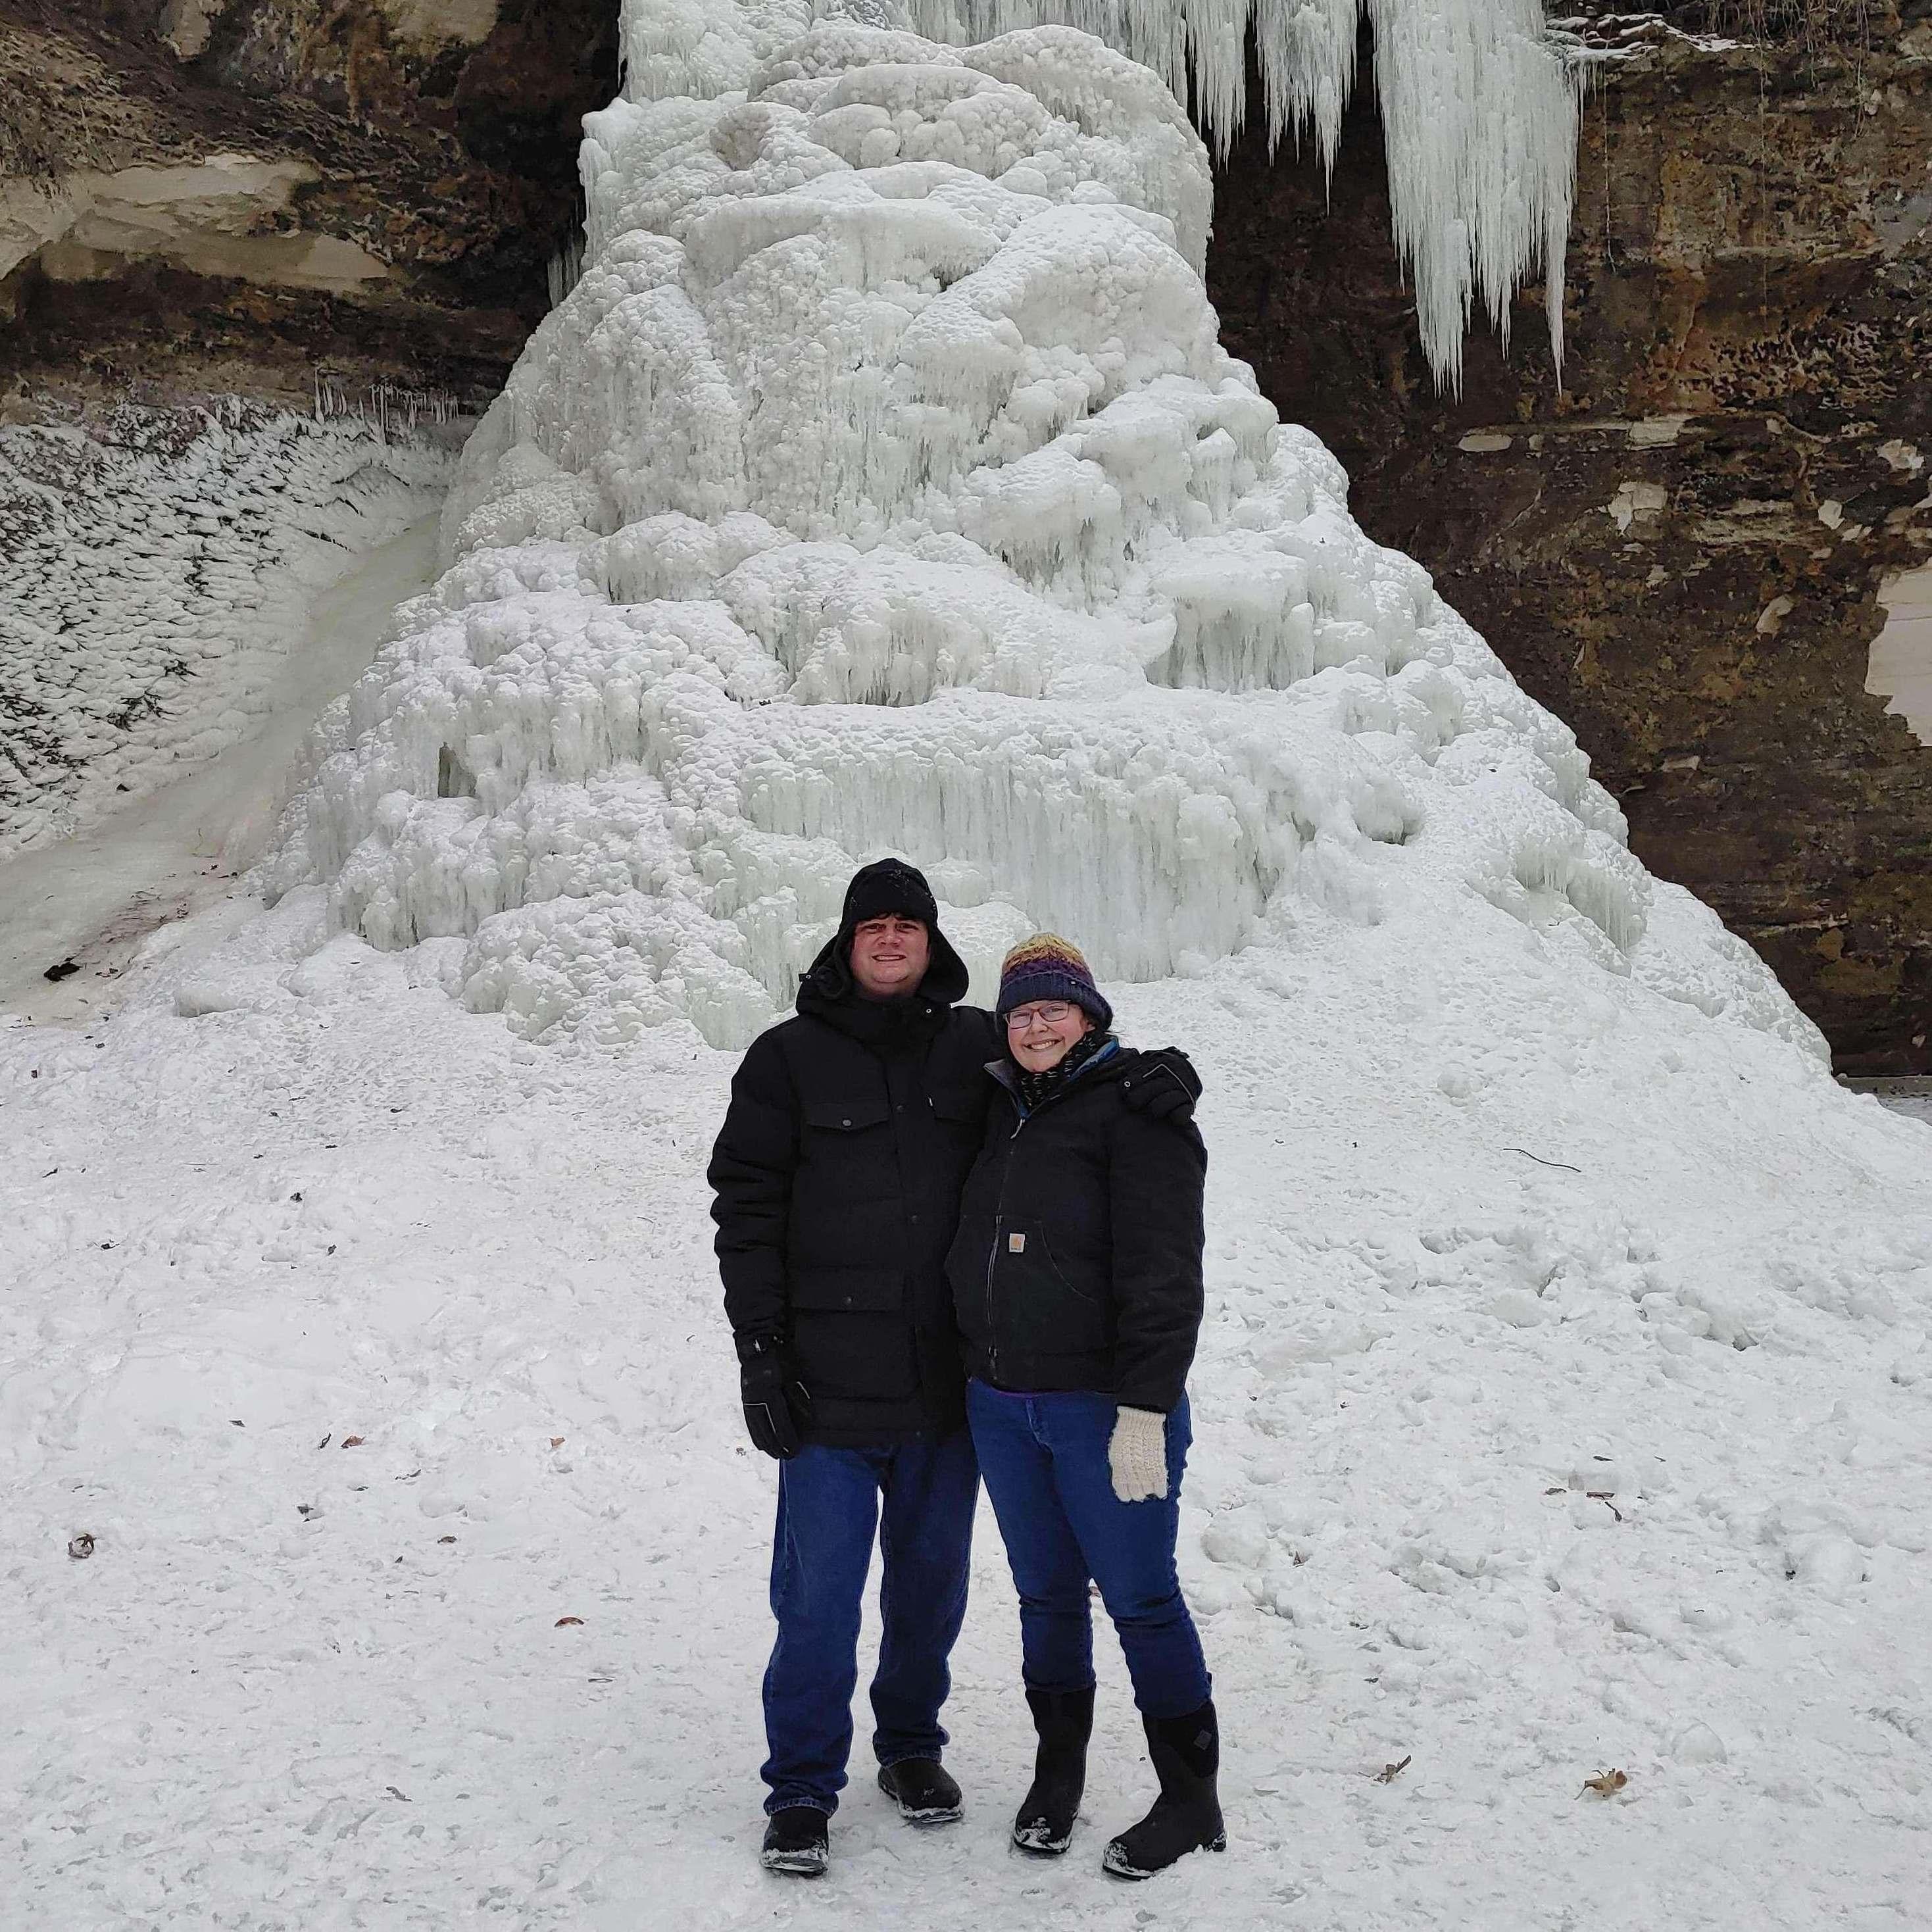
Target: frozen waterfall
x=883, y=485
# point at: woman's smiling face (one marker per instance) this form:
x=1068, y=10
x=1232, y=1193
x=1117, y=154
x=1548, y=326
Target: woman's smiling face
x=1039, y=1034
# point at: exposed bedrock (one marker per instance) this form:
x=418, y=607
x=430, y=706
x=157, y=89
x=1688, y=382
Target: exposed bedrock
x=1687, y=552
x=205, y=196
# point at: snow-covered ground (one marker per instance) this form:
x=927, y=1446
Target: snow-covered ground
x=1519, y=1473
x=1911, y=1096
x=1564, y=1405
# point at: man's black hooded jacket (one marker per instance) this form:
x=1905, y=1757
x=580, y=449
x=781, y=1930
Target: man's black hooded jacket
x=837, y=1176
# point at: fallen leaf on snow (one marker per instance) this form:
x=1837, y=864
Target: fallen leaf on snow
x=445, y=1539
x=561, y=1620
x=1390, y=1773
x=1605, y=1784
x=352, y=1442
x=80, y=1545
x=557, y=1441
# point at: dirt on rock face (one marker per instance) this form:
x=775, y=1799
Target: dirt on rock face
x=214, y=195
x=1681, y=551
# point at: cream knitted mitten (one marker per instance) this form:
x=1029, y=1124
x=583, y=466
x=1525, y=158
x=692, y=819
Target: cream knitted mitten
x=1137, y=1455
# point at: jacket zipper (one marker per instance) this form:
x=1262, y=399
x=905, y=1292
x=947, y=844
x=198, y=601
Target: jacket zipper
x=999, y=1228
x=992, y=1334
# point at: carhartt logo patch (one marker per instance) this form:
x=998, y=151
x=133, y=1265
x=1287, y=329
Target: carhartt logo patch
x=1016, y=1244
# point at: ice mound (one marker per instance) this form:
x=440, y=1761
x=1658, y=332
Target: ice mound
x=883, y=485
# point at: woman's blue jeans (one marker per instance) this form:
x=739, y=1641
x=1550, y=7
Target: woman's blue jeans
x=1044, y=1457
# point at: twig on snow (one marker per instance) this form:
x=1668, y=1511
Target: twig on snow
x=1541, y=1162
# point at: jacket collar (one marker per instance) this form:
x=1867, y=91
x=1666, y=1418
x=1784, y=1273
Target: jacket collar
x=1107, y=1059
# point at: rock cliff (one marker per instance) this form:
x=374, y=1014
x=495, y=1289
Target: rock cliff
x=252, y=195
x=1687, y=549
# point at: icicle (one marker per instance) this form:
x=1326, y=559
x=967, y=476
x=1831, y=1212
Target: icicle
x=1479, y=104
x=566, y=269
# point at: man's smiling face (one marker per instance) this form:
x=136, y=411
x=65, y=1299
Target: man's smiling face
x=890, y=956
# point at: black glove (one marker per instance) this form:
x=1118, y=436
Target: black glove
x=1165, y=1085
x=769, y=1390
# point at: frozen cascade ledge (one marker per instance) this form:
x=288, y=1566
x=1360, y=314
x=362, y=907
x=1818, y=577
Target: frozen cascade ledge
x=884, y=485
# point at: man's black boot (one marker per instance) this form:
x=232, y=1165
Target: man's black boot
x=1064, y=1720
x=796, y=1843
x=1186, y=1816
x=924, y=1791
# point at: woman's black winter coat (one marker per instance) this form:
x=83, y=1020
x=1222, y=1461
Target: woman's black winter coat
x=1077, y=1265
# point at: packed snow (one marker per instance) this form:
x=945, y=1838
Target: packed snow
x=384, y=1551
x=162, y=565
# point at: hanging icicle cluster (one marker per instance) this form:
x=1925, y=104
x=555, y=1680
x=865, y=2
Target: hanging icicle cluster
x=1478, y=101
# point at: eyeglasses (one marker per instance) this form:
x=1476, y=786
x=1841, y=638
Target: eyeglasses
x=1049, y=1014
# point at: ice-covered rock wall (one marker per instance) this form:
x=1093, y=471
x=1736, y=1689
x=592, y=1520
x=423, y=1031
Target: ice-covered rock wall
x=882, y=486
x=162, y=564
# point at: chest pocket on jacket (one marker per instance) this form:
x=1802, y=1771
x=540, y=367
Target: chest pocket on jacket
x=849, y=1153
x=851, y=1333
x=961, y=1112
x=847, y=1116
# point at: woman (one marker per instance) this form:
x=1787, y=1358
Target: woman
x=1076, y=1278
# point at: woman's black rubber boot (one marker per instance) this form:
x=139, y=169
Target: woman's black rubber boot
x=1064, y=1720
x=1186, y=1816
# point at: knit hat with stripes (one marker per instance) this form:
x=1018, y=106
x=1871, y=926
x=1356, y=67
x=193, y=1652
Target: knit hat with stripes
x=1049, y=967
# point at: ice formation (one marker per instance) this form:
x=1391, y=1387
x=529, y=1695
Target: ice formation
x=883, y=485
x=163, y=563
x=1478, y=104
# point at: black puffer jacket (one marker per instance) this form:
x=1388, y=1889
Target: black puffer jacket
x=1077, y=1265
x=838, y=1174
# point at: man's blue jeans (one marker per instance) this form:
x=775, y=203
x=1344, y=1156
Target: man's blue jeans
x=1044, y=1459
x=829, y=1506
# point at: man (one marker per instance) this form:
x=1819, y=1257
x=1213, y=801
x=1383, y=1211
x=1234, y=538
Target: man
x=838, y=1175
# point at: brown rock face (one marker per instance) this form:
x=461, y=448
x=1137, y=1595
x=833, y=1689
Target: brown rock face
x=1680, y=551
x=211, y=195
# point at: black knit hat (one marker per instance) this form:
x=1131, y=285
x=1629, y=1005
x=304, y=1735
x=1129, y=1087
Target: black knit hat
x=889, y=886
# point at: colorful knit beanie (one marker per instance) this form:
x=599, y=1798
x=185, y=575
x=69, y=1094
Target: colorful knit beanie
x=1049, y=967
